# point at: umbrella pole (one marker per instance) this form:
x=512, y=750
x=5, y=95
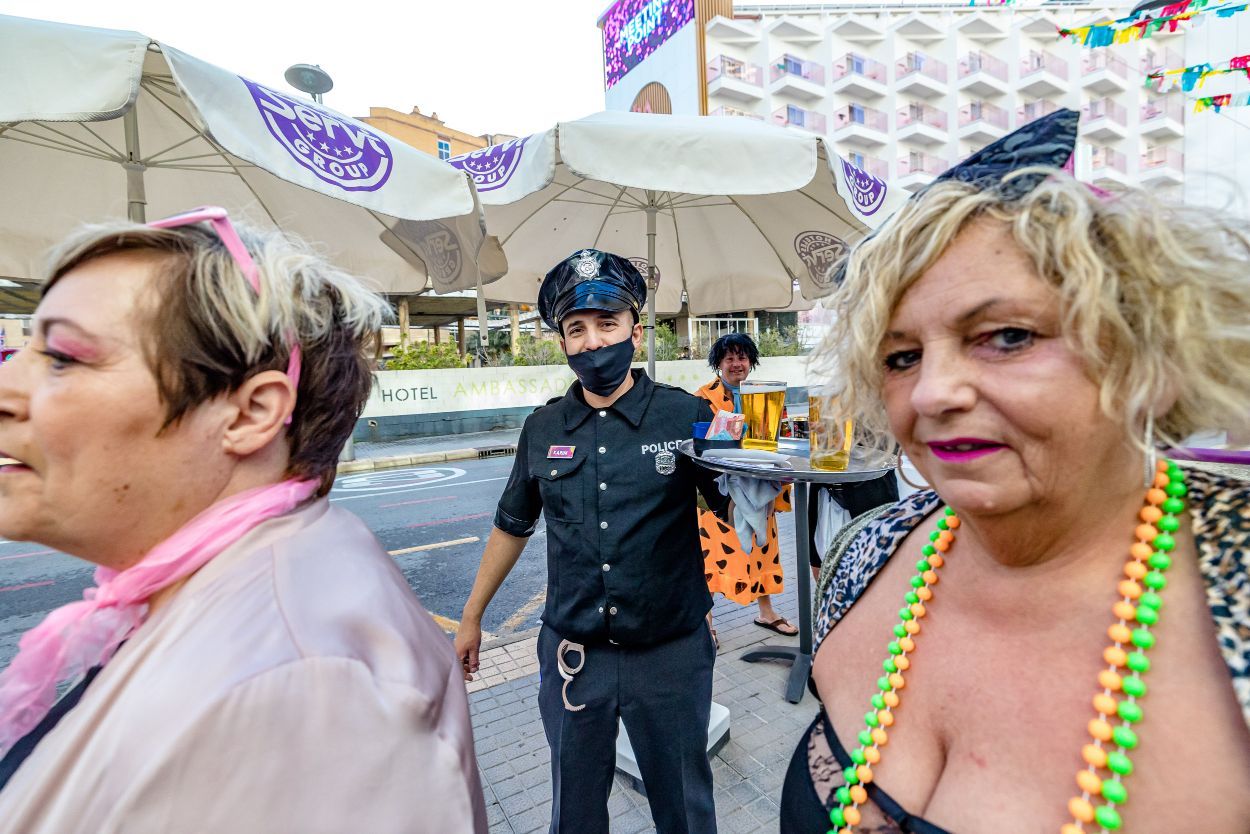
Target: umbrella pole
x=482, y=329
x=136, y=197
x=651, y=288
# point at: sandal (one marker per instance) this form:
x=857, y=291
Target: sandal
x=776, y=624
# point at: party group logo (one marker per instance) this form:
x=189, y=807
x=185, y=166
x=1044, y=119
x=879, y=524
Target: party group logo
x=492, y=167
x=819, y=251
x=339, y=152
x=867, y=191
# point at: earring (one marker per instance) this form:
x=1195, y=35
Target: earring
x=898, y=465
x=1152, y=455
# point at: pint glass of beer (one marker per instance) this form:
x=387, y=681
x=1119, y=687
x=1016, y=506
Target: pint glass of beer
x=830, y=435
x=762, y=404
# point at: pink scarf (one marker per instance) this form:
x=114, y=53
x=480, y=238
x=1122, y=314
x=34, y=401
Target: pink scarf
x=80, y=635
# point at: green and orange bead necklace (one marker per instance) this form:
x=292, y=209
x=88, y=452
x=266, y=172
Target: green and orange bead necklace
x=1107, y=756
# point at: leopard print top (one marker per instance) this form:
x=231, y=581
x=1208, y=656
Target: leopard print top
x=1219, y=509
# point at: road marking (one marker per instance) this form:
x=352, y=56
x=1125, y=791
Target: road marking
x=27, y=585
x=419, y=489
x=434, y=546
x=524, y=612
x=397, y=479
x=451, y=626
x=417, y=501
x=451, y=520
x=26, y=555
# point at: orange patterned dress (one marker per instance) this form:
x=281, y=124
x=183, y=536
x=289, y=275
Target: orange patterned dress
x=740, y=577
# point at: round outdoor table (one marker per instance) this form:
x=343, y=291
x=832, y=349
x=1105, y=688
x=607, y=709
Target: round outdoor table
x=802, y=476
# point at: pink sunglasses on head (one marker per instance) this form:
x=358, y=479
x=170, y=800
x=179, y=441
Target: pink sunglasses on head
x=220, y=220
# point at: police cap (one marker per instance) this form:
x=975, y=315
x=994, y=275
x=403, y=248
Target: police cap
x=590, y=280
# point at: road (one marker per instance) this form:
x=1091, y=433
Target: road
x=434, y=520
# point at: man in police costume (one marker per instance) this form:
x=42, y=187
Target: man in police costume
x=623, y=631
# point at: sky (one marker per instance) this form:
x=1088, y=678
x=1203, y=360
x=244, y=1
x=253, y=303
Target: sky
x=485, y=66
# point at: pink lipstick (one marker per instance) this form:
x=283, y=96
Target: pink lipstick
x=963, y=449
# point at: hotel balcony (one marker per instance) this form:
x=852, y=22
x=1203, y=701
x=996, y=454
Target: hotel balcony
x=1043, y=74
x=858, y=29
x=920, y=124
x=1102, y=72
x=981, y=74
x=859, y=125
x=793, y=116
x=981, y=27
x=733, y=79
x=870, y=165
x=1161, y=166
x=729, y=30
x=1104, y=120
x=1107, y=167
x=919, y=75
x=1033, y=111
x=981, y=122
x=797, y=30
x=921, y=28
x=796, y=77
x=1163, y=118
x=735, y=112
x=1154, y=60
x=858, y=77
x=916, y=170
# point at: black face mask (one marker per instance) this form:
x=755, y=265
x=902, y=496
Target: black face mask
x=602, y=371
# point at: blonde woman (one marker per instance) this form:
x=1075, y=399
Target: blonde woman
x=1083, y=662
x=251, y=660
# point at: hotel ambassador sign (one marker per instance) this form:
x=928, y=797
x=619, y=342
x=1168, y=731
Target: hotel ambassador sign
x=397, y=393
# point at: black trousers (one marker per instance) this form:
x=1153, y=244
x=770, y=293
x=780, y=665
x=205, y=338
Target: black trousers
x=663, y=694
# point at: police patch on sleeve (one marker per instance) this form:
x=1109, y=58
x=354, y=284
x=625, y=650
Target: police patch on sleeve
x=665, y=462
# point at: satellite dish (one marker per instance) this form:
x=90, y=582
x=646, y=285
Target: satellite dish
x=309, y=78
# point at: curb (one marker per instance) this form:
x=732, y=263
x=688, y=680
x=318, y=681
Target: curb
x=508, y=639
x=395, y=461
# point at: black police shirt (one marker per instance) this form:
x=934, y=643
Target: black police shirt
x=623, y=557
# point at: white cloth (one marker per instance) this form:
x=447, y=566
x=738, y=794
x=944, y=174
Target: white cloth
x=752, y=499
x=830, y=518
x=294, y=684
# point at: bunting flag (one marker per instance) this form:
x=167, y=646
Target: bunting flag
x=1164, y=81
x=1129, y=29
x=1226, y=100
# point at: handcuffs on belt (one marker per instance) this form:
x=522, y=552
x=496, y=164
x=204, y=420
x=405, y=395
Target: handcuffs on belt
x=568, y=672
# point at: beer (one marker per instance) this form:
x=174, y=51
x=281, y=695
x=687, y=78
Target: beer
x=762, y=405
x=830, y=437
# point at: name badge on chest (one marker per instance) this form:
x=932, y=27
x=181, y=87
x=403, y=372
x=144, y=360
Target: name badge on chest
x=560, y=452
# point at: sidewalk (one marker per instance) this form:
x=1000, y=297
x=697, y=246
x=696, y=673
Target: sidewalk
x=387, y=454
x=748, y=771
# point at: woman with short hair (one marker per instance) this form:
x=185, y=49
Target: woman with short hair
x=1083, y=664
x=251, y=659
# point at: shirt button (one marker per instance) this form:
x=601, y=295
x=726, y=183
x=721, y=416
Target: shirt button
x=603, y=414
x=603, y=525
x=602, y=450
x=611, y=610
x=555, y=472
x=606, y=567
x=603, y=486
x=601, y=610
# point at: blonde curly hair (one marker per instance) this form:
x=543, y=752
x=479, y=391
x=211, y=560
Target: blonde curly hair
x=1155, y=299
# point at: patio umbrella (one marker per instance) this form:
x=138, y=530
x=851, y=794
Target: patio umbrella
x=99, y=123
x=730, y=212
